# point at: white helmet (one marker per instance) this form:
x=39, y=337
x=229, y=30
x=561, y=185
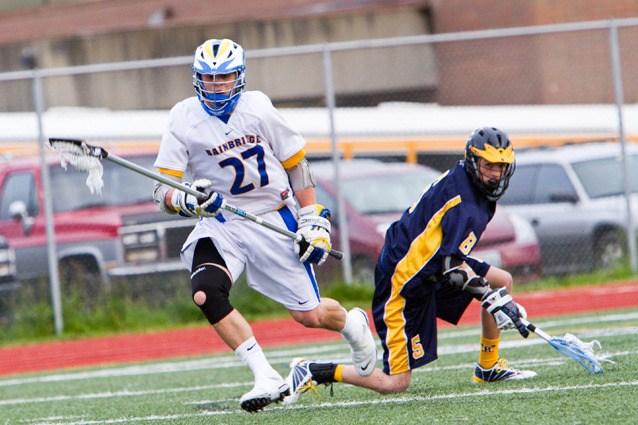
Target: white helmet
x=218, y=57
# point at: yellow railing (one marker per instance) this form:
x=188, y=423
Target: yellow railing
x=350, y=147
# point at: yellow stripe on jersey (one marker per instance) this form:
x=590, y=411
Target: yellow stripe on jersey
x=294, y=160
x=421, y=251
x=170, y=172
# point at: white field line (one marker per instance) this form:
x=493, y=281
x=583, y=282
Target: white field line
x=376, y=401
x=140, y=393
x=279, y=357
x=554, y=361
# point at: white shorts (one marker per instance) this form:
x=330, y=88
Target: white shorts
x=272, y=267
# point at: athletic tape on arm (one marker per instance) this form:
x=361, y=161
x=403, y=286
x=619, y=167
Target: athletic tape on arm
x=159, y=194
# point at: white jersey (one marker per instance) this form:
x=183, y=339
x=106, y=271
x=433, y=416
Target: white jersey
x=243, y=158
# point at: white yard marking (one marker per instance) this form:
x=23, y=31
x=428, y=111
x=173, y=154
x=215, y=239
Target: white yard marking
x=284, y=356
x=331, y=351
x=553, y=361
x=376, y=401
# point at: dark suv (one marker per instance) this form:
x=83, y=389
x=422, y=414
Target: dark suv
x=119, y=232
x=574, y=198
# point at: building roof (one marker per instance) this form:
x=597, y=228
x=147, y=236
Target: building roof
x=109, y=16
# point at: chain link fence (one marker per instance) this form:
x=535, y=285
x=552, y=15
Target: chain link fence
x=410, y=100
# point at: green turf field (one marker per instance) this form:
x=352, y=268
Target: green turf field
x=207, y=390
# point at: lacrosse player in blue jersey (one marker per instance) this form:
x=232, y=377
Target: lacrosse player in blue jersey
x=236, y=146
x=425, y=272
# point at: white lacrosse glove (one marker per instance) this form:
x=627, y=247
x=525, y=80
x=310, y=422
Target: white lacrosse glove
x=505, y=311
x=314, y=229
x=190, y=206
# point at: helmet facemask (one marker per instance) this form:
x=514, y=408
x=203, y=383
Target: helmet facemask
x=491, y=146
x=218, y=60
x=215, y=101
x=493, y=187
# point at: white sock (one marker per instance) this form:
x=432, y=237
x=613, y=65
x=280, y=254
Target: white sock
x=252, y=355
x=349, y=331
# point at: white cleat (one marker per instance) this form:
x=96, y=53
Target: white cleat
x=362, y=345
x=264, y=393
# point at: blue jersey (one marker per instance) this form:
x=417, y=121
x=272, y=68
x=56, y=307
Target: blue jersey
x=410, y=289
x=448, y=219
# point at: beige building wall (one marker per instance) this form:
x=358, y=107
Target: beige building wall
x=573, y=68
x=359, y=74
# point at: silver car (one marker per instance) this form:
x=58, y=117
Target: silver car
x=574, y=197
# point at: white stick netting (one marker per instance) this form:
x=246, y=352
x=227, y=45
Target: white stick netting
x=73, y=154
x=587, y=354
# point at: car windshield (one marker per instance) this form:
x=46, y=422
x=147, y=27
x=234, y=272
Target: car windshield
x=121, y=186
x=386, y=194
x=605, y=177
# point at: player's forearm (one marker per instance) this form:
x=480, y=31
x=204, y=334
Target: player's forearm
x=306, y=197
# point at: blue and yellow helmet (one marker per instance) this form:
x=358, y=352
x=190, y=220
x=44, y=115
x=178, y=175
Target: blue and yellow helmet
x=219, y=57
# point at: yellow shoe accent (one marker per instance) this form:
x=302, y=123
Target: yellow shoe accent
x=500, y=372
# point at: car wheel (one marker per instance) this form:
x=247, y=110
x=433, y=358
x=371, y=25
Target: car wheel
x=608, y=250
x=363, y=270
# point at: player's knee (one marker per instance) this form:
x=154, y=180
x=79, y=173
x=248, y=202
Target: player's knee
x=508, y=282
x=395, y=384
x=499, y=278
x=199, y=297
x=211, y=290
x=395, y=388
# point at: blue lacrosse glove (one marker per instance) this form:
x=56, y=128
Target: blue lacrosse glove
x=505, y=311
x=314, y=229
x=188, y=205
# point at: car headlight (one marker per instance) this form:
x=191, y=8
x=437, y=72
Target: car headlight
x=141, y=255
x=141, y=247
x=7, y=262
x=524, y=231
x=141, y=238
x=5, y=255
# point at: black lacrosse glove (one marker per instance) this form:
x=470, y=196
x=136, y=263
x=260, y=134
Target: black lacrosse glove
x=505, y=311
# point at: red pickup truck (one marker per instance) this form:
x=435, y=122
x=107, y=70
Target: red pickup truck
x=119, y=232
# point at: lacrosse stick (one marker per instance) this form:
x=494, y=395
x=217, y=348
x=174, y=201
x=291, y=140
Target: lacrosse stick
x=88, y=158
x=573, y=347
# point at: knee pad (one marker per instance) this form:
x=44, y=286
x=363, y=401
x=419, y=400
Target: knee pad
x=214, y=282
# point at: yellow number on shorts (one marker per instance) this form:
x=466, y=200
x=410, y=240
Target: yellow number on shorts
x=417, y=348
x=468, y=243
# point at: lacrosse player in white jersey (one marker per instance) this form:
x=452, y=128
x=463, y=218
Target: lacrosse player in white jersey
x=236, y=146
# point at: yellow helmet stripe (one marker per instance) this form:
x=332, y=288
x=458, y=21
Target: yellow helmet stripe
x=208, y=48
x=492, y=154
x=224, y=47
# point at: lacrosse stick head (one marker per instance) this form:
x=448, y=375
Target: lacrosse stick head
x=587, y=354
x=83, y=157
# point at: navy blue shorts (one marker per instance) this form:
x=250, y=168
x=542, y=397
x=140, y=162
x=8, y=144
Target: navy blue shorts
x=405, y=319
